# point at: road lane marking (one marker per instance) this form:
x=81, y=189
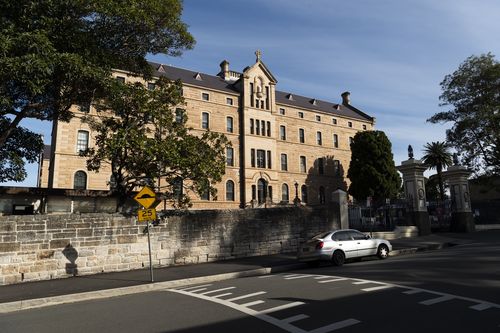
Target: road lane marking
x=480, y=307
x=362, y=282
x=295, y=318
x=216, y=290
x=377, y=288
x=194, y=287
x=249, y=304
x=333, y=280
x=291, y=275
x=222, y=295
x=196, y=290
x=335, y=326
x=297, y=277
x=411, y=292
x=437, y=300
x=265, y=276
x=282, y=307
x=246, y=296
x=322, y=277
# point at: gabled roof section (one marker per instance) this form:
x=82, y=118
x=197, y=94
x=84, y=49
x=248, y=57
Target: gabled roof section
x=322, y=106
x=190, y=77
x=263, y=67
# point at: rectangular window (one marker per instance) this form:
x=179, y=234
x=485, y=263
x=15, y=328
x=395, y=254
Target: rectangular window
x=303, y=164
x=284, y=162
x=263, y=126
x=229, y=124
x=267, y=98
x=334, y=121
x=282, y=111
x=301, y=135
x=364, y=127
x=120, y=79
x=268, y=128
x=205, y=96
x=282, y=132
x=321, y=167
x=335, y=140
x=205, y=120
x=82, y=141
x=229, y=156
x=318, y=118
x=261, y=158
x=229, y=101
x=349, y=124
x=151, y=86
x=301, y=114
x=336, y=167
x=269, y=165
x=257, y=126
x=319, y=140
x=252, y=158
x=251, y=126
x=179, y=115
x=251, y=94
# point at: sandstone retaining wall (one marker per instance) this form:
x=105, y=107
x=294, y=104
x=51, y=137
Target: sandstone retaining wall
x=40, y=247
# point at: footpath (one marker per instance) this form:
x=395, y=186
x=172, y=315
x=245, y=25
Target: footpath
x=51, y=292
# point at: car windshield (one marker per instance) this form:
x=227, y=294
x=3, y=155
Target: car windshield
x=321, y=235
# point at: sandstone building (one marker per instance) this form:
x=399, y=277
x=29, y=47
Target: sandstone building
x=285, y=147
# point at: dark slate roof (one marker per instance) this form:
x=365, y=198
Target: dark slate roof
x=189, y=77
x=321, y=106
x=217, y=83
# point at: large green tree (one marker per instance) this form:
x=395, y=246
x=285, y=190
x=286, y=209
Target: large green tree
x=437, y=156
x=372, y=170
x=472, y=92
x=56, y=53
x=141, y=135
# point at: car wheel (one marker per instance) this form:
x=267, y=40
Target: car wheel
x=338, y=258
x=313, y=264
x=383, y=251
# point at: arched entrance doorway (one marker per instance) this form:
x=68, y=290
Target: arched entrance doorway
x=261, y=190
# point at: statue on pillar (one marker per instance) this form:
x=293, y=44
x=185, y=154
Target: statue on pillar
x=455, y=159
x=410, y=152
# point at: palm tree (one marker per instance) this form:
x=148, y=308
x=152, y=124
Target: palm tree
x=437, y=156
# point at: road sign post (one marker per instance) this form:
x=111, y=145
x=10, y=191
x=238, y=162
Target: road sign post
x=146, y=198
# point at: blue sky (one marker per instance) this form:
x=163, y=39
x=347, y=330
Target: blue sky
x=390, y=54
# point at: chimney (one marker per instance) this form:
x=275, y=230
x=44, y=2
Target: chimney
x=224, y=70
x=346, y=98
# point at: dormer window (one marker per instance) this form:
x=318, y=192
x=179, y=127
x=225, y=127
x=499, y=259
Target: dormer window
x=289, y=97
x=198, y=77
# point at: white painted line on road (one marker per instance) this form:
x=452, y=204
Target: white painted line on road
x=291, y=275
x=333, y=280
x=362, y=282
x=222, y=295
x=216, y=290
x=282, y=307
x=249, y=304
x=295, y=318
x=335, y=326
x=264, y=317
x=323, y=277
x=297, y=277
x=437, y=300
x=196, y=290
x=265, y=276
x=481, y=307
x=412, y=291
x=194, y=287
x=378, y=288
x=246, y=296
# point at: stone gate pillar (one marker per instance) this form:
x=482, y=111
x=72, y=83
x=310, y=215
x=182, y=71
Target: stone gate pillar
x=461, y=213
x=340, y=197
x=414, y=185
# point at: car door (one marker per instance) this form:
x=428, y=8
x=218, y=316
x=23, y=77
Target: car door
x=365, y=245
x=346, y=243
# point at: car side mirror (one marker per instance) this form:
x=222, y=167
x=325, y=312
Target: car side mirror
x=367, y=236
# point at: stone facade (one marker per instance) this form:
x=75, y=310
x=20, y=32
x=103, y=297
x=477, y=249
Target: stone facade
x=41, y=247
x=313, y=135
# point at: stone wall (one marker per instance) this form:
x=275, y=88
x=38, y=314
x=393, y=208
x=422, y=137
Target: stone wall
x=40, y=247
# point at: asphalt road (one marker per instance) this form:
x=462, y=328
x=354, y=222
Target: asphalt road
x=451, y=290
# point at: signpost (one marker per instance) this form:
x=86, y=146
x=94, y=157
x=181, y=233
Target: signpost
x=146, y=198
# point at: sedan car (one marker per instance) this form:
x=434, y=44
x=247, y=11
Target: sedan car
x=338, y=245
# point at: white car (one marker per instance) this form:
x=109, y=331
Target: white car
x=338, y=245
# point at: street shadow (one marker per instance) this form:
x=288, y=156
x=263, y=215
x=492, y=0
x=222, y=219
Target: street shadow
x=71, y=254
x=323, y=178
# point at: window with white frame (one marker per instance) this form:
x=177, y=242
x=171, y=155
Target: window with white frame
x=82, y=141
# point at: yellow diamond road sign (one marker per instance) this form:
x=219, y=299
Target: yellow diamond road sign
x=146, y=197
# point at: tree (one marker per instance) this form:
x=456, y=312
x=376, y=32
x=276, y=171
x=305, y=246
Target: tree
x=54, y=53
x=141, y=140
x=473, y=93
x=372, y=170
x=437, y=156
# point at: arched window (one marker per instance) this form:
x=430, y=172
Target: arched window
x=284, y=193
x=303, y=190
x=229, y=190
x=80, y=180
x=322, y=195
x=261, y=190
